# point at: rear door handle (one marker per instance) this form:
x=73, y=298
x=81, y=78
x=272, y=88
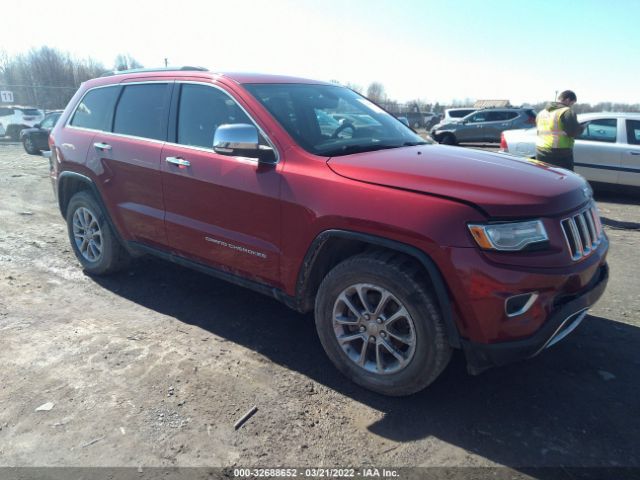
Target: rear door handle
x=102, y=146
x=634, y=153
x=178, y=161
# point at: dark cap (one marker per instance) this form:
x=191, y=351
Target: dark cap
x=568, y=95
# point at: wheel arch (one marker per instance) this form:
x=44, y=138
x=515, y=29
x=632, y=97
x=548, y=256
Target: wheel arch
x=331, y=247
x=70, y=183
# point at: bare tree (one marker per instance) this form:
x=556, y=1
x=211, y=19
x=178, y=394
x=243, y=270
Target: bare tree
x=45, y=77
x=124, y=61
x=375, y=92
x=354, y=87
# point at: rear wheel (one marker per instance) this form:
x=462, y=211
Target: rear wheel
x=379, y=324
x=92, y=239
x=29, y=146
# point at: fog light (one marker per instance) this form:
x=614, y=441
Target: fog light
x=519, y=304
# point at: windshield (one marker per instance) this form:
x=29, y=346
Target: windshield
x=459, y=113
x=331, y=120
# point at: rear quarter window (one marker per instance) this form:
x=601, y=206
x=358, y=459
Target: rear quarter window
x=95, y=109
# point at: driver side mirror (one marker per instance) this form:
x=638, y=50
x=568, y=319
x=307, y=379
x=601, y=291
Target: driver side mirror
x=241, y=140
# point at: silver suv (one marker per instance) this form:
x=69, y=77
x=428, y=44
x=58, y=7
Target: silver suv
x=484, y=125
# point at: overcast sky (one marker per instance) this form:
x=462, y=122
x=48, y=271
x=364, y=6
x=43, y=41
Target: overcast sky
x=521, y=50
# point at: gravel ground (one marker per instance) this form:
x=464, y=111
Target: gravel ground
x=152, y=367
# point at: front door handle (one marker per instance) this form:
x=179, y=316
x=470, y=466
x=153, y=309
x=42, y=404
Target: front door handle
x=634, y=153
x=178, y=161
x=102, y=146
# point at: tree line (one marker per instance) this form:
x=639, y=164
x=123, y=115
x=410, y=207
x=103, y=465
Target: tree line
x=376, y=93
x=47, y=78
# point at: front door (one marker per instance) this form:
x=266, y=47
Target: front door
x=473, y=130
x=220, y=210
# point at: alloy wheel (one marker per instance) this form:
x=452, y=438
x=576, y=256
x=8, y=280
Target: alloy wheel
x=87, y=234
x=374, y=328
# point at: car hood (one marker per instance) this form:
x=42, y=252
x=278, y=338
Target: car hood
x=500, y=184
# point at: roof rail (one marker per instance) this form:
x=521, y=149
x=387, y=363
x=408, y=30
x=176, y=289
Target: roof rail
x=145, y=70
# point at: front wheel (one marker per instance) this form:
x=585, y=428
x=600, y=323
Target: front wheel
x=448, y=139
x=379, y=324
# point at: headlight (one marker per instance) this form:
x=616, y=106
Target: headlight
x=510, y=236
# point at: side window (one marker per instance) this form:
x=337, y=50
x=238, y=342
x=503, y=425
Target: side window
x=497, y=116
x=202, y=110
x=603, y=130
x=633, y=132
x=478, y=117
x=510, y=115
x=142, y=111
x=95, y=109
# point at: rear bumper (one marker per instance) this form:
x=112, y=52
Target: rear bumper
x=560, y=323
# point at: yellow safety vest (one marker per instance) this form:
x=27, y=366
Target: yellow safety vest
x=551, y=133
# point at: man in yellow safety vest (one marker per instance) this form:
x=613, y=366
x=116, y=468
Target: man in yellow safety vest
x=557, y=128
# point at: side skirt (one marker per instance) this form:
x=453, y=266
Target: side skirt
x=262, y=288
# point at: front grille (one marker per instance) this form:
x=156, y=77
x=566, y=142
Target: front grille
x=583, y=232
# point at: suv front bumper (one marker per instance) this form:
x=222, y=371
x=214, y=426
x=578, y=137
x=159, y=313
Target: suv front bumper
x=559, y=324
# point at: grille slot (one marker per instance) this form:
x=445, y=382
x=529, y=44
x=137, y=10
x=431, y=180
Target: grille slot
x=583, y=232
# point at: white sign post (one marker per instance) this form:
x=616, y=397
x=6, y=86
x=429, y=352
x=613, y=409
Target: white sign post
x=6, y=96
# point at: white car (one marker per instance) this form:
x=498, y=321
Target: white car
x=608, y=151
x=15, y=118
x=451, y=114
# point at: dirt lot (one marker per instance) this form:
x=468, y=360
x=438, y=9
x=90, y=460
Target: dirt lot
x=153, y=366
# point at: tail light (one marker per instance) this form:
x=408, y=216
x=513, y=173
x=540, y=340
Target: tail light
x=503, y=143
x=531, y=121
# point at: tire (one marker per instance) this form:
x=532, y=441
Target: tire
x=448, y=139
x=92, y=239
x=29, y=146
x=409, y=302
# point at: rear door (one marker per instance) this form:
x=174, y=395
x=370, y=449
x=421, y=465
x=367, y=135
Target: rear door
x=596, y=154
x=74, y=141
x=130, y=158
x=220, y=210
x=630, y=172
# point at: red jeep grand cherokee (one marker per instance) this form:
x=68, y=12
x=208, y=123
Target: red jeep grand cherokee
x=310, y=193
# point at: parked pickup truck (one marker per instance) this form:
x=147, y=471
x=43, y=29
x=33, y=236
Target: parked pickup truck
x=402, y=248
